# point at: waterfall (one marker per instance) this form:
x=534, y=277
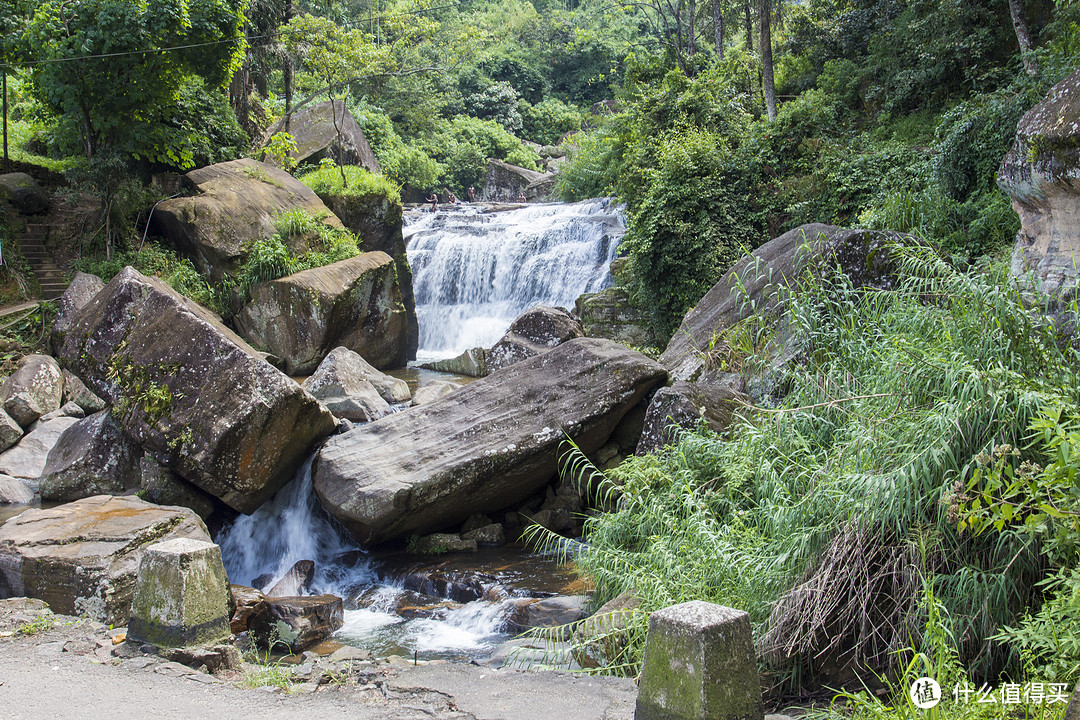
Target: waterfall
x=475, y=272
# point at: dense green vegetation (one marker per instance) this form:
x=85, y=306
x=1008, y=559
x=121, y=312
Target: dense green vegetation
x=913, y=497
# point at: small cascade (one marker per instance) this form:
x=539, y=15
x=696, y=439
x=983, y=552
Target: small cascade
x=389, y=608
x=474, y=272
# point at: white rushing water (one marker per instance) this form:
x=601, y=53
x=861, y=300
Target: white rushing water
x=292, y=526
x=474, y=273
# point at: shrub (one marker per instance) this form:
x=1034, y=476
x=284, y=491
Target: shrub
x=549, y=120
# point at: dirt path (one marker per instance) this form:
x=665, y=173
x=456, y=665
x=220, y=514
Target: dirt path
x=72, y=671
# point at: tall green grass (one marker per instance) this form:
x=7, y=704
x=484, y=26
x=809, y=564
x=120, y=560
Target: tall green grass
x=821, y=516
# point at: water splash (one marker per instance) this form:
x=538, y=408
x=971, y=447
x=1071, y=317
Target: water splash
x=474, y=273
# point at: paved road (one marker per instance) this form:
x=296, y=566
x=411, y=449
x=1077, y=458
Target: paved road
x=68, y=673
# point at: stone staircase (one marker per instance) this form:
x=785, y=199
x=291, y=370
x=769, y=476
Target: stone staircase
x=32, y=245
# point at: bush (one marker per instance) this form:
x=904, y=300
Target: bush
x=154, y=260
x=548, y=121
x=327, y=181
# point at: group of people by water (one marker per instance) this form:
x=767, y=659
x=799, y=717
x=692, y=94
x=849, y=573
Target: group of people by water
x=452, y=199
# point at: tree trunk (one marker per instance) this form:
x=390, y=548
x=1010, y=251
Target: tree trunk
x=691, y=36
x=1023, y=37
x=749, y=28
x=718, y=27
x=766, y=59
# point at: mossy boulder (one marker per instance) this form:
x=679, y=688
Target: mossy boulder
x=326, y=130
x=233, y=205
x=354, y=303
x=83, y=557
x=24, y=193
x=685, y=405
x=375, y=219
x=190, y=392
x=1040, y=173
x=34, y=389
x=609, y=314
x=490, y=445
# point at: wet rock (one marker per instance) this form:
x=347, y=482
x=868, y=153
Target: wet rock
x=449, y=584
x=24, y=193
x=492, y=534
x=438, y=543
x=82, y=557
x=82, y=290
x=433, y=466
x=14, y=491
x=535, y=331
x=10, y=432
x=327, y=130
x=355, y=303
x=550, y=612
x=35, y=388
x=474, y=521
x=235, y=205
x=28, y=458
x=296, y=622
x=295, y=582
x=181, y=595
x=92, y=457
x=190, y=392
x=1039, y=174
x=471, y=363
x=609, y=314
x=247, y=602
x=751, y=286
x=162, y=486
x=342, y=384
x=684, y=405
x=699, y=664
x=76, y=392
x=433, y=391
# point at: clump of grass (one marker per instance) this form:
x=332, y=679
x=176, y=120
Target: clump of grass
x=817, y=516
x=43, y=623
x=327, y=181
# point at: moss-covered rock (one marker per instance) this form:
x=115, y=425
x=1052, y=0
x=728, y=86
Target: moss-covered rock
x=609, y=314
x=326, y=130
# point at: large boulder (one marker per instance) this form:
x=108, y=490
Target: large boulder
x=752, y=285
x=1039, y=173
x=34, y=389
x=92, y=457
x=82, y=557
x=296, y=622
x=194, y=395
x=685, y=405
x=355, y=303
x=82, y=290
x=24, y=193
x=535, y=331
x=235, y=205
x=506, y=182
x=609, y=314
x=326, y=130
x=345, y=383
x=375, y=219
x=476, y=451
x=28, y=458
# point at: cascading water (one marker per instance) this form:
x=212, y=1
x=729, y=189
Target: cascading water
x=474, y=273
x=292, y=526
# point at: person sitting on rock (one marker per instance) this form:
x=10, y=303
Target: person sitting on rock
x=472, y=194
x=521, y=197
x=434, y=200
x=451, y=198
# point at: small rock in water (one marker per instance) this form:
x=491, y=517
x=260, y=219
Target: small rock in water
x=295, y=582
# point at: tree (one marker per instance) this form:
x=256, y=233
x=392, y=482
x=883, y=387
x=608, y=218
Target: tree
x=767, y=82
x=112, y=69
x=1023, y=37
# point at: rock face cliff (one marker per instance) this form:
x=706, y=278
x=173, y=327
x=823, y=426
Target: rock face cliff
x=1041, y=173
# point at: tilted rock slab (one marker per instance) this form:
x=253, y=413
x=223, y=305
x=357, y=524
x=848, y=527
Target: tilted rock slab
x=1041, y=173
x=751, y=286
x=191, y=392
x=355, y=303
x=487, y=446
x=83, y=557
x=236, y=204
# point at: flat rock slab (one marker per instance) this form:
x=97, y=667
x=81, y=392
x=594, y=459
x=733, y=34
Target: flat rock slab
x=483, y=448
x=82, y=558
x=189, y=391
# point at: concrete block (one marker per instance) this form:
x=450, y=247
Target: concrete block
x=181, y=595
x=699, y=665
